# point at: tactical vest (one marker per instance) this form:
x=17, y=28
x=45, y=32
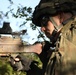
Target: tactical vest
x=63, y=62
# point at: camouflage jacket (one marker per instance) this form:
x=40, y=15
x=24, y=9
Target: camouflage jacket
x=64, y=62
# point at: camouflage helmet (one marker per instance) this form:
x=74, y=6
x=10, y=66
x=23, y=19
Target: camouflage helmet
x=52, y=7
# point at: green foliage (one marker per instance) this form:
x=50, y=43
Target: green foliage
x=33, y=26
x=22, y=12
x=6, y=69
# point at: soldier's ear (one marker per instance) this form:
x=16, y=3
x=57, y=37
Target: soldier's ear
x=42, y=29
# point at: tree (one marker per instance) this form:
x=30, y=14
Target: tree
x=25, y=13
x=22, y=12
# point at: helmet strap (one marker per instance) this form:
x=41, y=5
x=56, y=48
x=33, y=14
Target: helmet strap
x=55, y=24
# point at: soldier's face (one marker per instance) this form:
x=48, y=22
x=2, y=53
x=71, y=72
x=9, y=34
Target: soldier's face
x=48, y=27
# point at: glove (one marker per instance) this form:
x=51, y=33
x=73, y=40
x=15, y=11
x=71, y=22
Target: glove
x=22, y=65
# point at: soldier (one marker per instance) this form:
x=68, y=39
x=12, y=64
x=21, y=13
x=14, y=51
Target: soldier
x=57, y=19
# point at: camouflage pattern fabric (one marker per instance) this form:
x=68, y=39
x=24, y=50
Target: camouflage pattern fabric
x=64, y=61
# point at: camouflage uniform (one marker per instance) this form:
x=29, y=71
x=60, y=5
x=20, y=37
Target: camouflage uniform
x=62, y=60
x=65, y=61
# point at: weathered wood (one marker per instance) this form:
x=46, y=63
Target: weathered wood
x=15, y=45
x=10, y=44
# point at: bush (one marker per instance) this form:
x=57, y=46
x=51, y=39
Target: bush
x=6, y=69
